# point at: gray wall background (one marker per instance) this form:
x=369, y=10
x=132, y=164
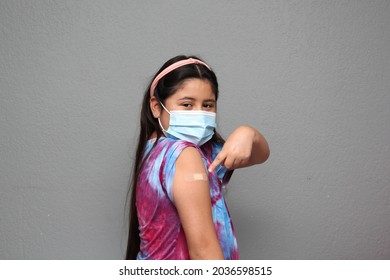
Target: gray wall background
x=312, y=76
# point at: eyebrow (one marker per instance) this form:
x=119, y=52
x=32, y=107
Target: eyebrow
x=194, y=99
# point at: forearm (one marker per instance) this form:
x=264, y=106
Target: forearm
x=244, y=147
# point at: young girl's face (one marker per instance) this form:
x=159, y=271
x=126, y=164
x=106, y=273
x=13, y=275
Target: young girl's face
x=194, y=94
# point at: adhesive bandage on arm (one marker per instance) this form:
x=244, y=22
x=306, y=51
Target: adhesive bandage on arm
x=196, y=177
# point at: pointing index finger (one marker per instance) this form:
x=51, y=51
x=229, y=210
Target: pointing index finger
x=217, y=161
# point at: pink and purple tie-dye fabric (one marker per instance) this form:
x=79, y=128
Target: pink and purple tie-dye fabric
x=162, y=236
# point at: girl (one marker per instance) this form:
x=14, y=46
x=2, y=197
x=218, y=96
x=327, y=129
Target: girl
x=177, y=208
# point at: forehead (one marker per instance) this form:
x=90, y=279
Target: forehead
x=196, y=89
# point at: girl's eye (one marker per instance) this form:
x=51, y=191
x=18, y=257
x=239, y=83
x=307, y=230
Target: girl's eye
x=208, y=105
x=187, y=105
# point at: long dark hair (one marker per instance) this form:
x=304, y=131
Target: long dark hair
x=148, y=124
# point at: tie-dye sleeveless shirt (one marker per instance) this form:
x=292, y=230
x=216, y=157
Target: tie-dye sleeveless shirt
x=161, y=233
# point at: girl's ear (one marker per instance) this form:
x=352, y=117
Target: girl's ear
x=155, y=107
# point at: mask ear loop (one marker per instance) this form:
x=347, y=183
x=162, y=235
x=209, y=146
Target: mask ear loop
x=162, y=128
x=165, y=108
x=159, y=121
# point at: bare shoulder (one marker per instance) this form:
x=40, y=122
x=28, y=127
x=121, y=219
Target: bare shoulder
x=190, y=159
x=190, y=179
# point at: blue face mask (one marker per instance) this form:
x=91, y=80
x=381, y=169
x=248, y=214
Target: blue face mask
x=194, y=126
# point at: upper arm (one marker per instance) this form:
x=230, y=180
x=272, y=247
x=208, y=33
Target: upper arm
x=191, y=196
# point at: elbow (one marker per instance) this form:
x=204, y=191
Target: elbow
x=265, y=155
x=262, y=154
x=207, y=252
x=261, y=150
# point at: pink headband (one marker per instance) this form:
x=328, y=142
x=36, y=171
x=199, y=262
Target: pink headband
x=173, y=67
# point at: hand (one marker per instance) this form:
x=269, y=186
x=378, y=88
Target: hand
x=241, y=149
